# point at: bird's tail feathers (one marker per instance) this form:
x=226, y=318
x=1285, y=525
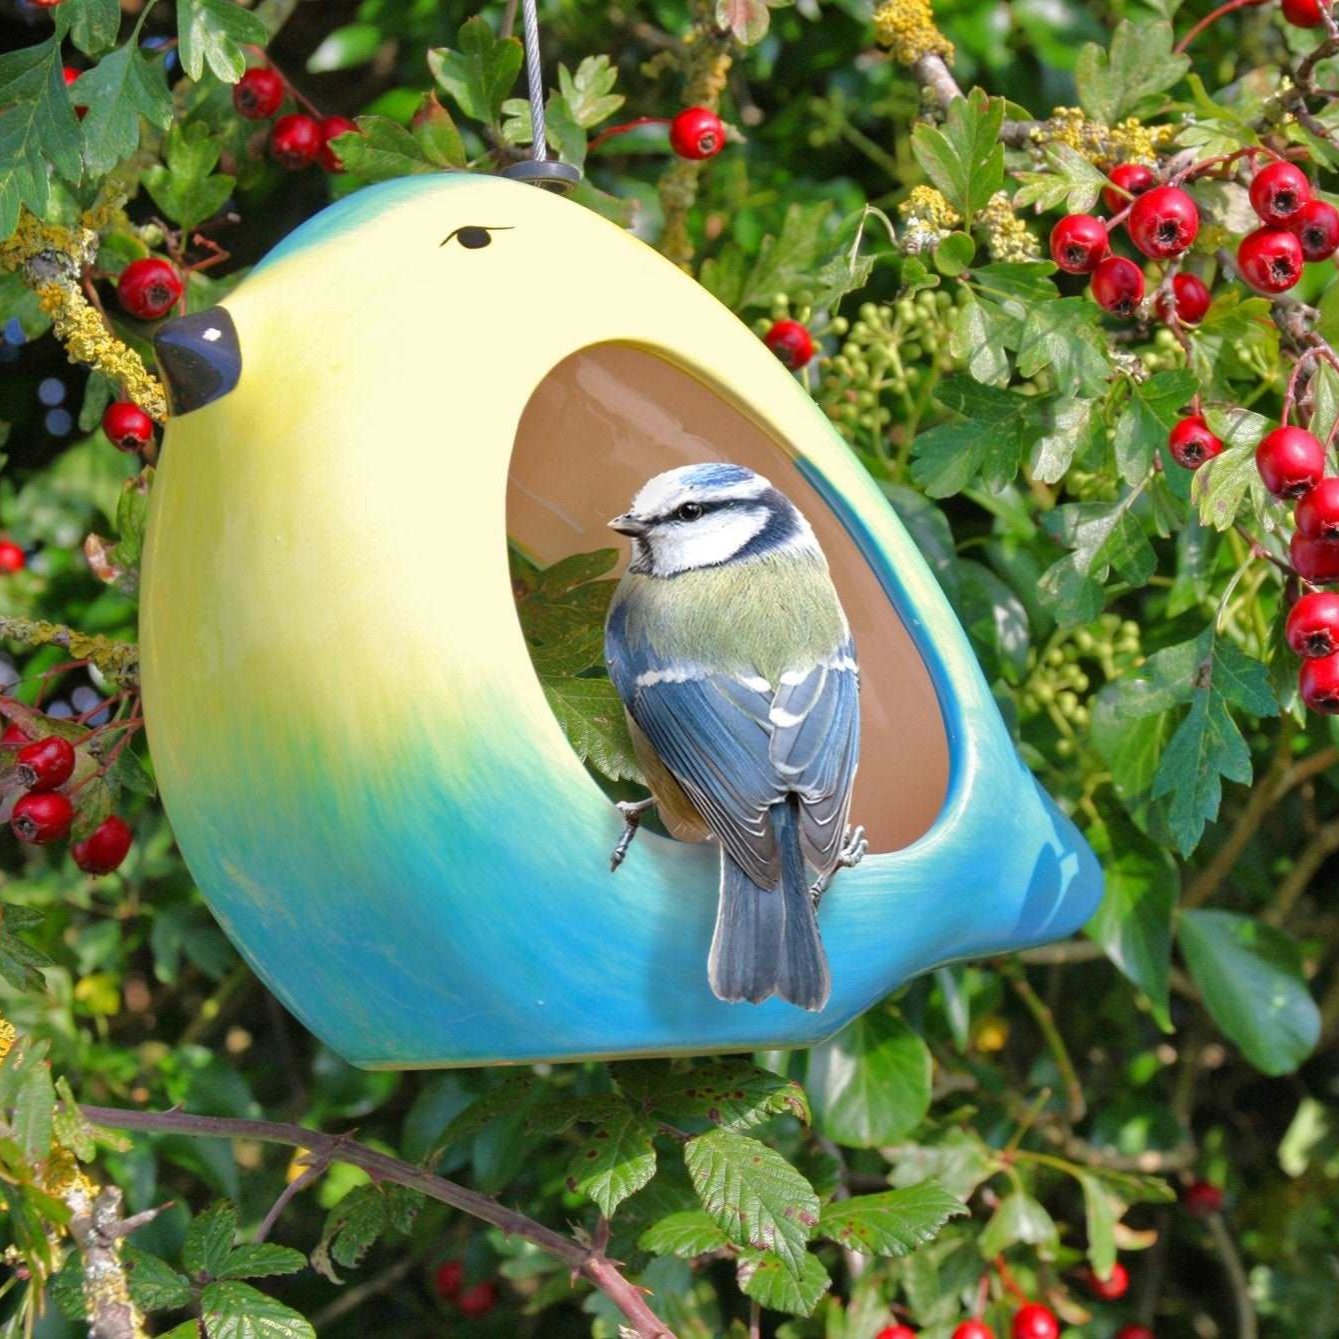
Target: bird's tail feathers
x=766, y=941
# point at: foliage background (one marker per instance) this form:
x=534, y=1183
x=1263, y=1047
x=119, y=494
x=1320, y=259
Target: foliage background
x=1190, y=1034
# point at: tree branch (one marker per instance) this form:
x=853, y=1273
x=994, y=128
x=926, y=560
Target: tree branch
x=589, y=1262
x=117, y=660
x=1236, y=1275
x=97, y=1229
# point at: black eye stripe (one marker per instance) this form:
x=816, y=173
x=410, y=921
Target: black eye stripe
x=473, y=236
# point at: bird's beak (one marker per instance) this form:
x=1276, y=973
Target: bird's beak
x=628, y=524
x=200, y=358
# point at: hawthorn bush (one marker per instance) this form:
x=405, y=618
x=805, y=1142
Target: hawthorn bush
x=1117, y=462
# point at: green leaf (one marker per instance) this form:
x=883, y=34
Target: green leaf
x=1101, y=1214
x=1019, y=1218
x=1236, y=337
x=616, y=1159
x=381, y=149
x=208, y=1243
x=154, y=1284
x=437, y=135
x=958, y=1161
x=588, y=93
x=1072, y=183
x=34, y=1108
x=870, y=1084
x=1133, y=924
x=358, y=1221
x=351, y=45
x=965, y=159
x=1250, y=975
x=255, y=1260
x=748, y=20
x=93, y=24
x=590, y=712
x=733, y=1094
x=20, y=963
x=184, y=190
x=505, y=1097
x=38, y=130
x=1151, y=410
x=954, y=254
x=1063, y=336
x=976, y=339
x=1074, y=426
x=1102, y=536
x=120, y=89
x=687, y=1234
x=1221, y=485
x=996, y=431
x=214, y=33
x=771, y=1282
x=239, y=1311
x=753, y=1194
x=893, y=1222
x=1126, y=78
x=480, y=75
x=786, y=260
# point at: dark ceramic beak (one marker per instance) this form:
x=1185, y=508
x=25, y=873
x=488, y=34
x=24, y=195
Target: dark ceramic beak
x=628, y=524
x=200, y=358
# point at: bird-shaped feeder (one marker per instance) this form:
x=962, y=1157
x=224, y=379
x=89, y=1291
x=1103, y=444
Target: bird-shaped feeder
x=355, y=752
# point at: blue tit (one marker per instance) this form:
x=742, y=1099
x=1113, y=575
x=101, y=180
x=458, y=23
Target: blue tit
x=734, y=661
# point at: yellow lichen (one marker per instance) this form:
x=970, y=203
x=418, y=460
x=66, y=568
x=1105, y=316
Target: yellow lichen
x=9, y=1034
x=929, y=219
x=1007, y=235
x=1128, y=141
x=907, y=29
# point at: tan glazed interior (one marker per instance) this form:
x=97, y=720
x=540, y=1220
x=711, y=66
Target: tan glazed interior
x=608, y=418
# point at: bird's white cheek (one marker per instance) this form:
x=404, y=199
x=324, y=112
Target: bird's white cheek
x=704, y=543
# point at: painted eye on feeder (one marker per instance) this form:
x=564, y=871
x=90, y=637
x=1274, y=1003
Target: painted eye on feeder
x=472, y=236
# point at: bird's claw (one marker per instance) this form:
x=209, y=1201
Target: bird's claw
x=855, y=846
x=632, y=811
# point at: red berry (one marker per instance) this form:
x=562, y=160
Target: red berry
x=258, y=94
x=1163, y=222
x=1191, y=442
x=70, y=74
x=973, y=1329
x=1035, y=1321
x=448, y=1278
x=1318, y=683
x=791, y=342
x=148, y=288
x=1312, y=628
x=1134, y=1332
x=1078, y=242
x=1270, y=259
x=1136, y=178
x=46, y=763
x=1203, y=1197
x=104, y=850
x=1278, y=191
x=332, y=127
x=44, y=4
x=127, y=425
x=1116, y=1284
x=697, y=133
x=1304, y=13
x=478, y=1300
x=1317, y=514
x=295, y=141
x=1290, y=460
x=896, y=1332
x=1191, y=297
x=14, y=734
x=12, y=558
x=1316, y=560
x=45, y=816
x=1118, y=285
x=1317, y=227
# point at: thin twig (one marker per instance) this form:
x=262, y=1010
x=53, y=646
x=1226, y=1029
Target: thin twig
x=1045, y=1020
x=1236, y=1275
x=1314, y=854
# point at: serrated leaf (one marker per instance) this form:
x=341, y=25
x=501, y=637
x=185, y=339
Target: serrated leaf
x=1149, y=413
x=38, y=130
x=215, y=33
x=1063, y=336
x=615, y=1160
x=1127, y=77
x=686, y=1234
x=1019, y=1218
x=753, y=1194
x=239, y=1311
x=437, y=134
x=20, y=963
x=209, y=1240
x=1250, y=975
x=773, y=1284
x=500, y=1099
x=1072, y=182
x=154, y=1284
x=120, y=89
x=256, y=1260
x=1102, y=536
x=590, y=712
x=93, y=24
x=356, y=1223
x=995, y=433
x=733, y=1094
x=183, y=187
x=588, y=93
x=786, y=260
x=892, y=1223
x=1221, y=485
x=480, y=75
x=965, y=159
x=1073, y=425
x=381, y=149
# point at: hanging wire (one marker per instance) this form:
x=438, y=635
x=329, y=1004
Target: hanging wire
x=534, y=74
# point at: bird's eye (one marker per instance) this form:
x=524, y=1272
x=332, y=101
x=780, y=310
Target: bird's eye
x=472, y=237
x=690, y=511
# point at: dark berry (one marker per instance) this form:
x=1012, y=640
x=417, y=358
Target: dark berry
x=1304, y=13
x=1115, y=1285
x=258, y=94
x=1278, y=191
x=1317, y=513
x=295, y=141
x=1312, y=628
x=697, y=132
x=331, y=128
x=447, y=1280
x=1316, y=560
x=973, y=1329
x=1163, y=222
x=12, y=558
x=44, y=816
x=1136, y=178
x=70, y=75
x=1316, y=226
x=791, y=342
x=1078, y=242
x=1270, y=259
x=896, y=1332
x=149, y=288
x=1192, y=298
x=478, y=1300
x=105, y=848
x=1192, y=443
x=1035, y=1321
x=46, y=763
x=1318, y=682
x=1291, y=461
x=1118, y=285
x=127, y=425
x=1203, y=1197
x=1134, y=1332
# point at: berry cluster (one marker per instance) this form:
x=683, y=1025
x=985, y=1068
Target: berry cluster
x=473, y=1302
x=296, y=140
x=45, y=811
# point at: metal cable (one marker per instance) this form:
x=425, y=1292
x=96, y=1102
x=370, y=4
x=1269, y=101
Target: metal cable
x=534, y=75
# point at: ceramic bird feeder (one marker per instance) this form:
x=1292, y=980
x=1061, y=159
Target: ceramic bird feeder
x=353, y=747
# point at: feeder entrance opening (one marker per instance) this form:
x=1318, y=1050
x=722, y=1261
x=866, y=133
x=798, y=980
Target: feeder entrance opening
x=609, y=417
